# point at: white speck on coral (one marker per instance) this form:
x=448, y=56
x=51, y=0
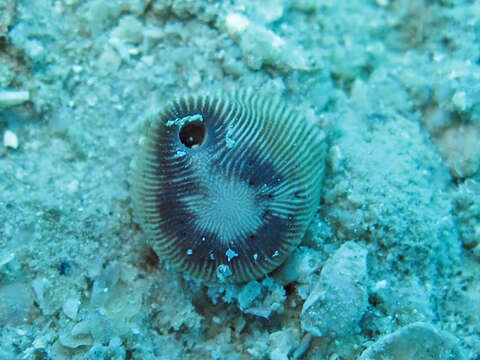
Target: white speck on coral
x=255, y=256
x=223, y=271
x=230, y=254
x=189, y=252
x=185, y=120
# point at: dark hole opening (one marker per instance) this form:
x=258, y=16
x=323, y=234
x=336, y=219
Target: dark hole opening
x=192, y=134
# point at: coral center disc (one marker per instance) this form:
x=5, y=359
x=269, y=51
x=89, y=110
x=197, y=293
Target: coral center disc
x=229, y=210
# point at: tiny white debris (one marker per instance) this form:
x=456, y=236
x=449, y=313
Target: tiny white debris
x=13, y=97
x=185, y=120
x=133, y=51
x=204, y=238
x=438, y=57
x=228, y=139
x=148, y=60
x=230, y=254
x=277, y=41
x=255, y=256
x=212, y=256
x=189, y=252
x=73, y=186
x=382, y=284
x=21, y=332
x=10, y=140
x=276, y=253
x=39, y=343
x=230, y=143
x=77, y=68
x=236, y=23
x=460, y=100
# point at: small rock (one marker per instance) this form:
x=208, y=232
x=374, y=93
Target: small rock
x=415, y=341
x=10, y=139
x=223, y=272
x=72, y=339
x=41, y=286
x=303, y=262
x=103, y=286
x=283, y=343
x=6, y=257
x=337, y=303
x=13, y=97
x=460, y=148
x=261, y=45
x=70, y=308
x=129, y=30
x=109, y=60
x=248, y=294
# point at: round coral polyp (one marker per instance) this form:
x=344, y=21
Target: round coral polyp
x=224, y=187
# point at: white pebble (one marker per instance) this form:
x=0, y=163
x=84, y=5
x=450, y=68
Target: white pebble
x=10, y=140
x=236, y=23
x=13, y=97
x=382, y=284
x=70, y=308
